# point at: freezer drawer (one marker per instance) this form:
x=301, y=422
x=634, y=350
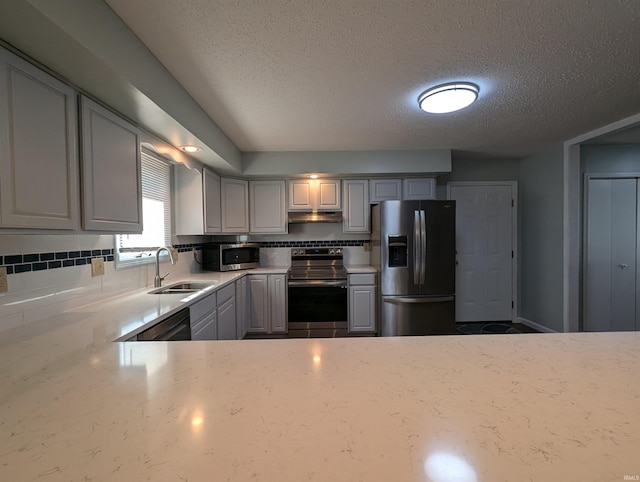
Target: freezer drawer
x=417, y=315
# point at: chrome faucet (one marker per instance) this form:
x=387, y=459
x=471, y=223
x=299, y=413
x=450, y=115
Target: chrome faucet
x=157, y=281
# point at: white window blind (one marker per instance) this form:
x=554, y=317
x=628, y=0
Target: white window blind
x=156, y=214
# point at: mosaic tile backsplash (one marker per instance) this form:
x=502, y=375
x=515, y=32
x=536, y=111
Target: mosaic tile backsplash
x=22, y=263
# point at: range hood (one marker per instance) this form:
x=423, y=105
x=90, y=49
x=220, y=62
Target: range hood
x=315, y=217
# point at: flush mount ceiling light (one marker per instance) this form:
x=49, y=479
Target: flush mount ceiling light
x=190, y=149
x=448, y=97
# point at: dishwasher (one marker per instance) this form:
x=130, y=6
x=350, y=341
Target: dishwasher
x=173, y=328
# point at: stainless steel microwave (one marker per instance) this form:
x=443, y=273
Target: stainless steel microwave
x=229, y=257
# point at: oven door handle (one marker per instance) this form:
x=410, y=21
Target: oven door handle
x=317, y=283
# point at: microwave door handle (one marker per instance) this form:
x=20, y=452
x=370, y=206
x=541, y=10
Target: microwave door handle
x=416, y=247
x=423, y=246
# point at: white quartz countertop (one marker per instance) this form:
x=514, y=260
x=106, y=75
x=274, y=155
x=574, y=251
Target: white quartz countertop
x=543, y=407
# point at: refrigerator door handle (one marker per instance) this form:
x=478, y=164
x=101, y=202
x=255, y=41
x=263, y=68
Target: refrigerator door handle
x=417, y=251
x=408, y=299
x=423, y=247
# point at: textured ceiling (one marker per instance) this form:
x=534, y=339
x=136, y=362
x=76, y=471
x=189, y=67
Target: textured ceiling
x=345, y=74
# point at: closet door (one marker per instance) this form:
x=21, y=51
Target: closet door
x=610, y=274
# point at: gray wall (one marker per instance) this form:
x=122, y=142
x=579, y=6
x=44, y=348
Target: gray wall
x=541, y=238
x=477, y=170
x=540, y=226
x=610, y=158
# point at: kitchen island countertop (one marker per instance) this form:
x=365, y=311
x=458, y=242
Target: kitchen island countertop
x=77, y=406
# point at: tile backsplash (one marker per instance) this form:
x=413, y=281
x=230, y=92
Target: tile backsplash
x=49, y=274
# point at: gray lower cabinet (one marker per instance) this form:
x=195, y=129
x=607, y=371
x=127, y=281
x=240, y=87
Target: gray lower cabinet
x=226, y=309
x=362, y=303
x=242, y=307
x=214, y=317
x=278, y=303
x=204, y=319
x=267, y=303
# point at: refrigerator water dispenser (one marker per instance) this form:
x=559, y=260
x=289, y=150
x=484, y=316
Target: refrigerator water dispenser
x=397, y=251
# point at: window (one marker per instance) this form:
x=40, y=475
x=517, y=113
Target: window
x=156, y=215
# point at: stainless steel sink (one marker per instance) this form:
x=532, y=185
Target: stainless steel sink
x=181, y=288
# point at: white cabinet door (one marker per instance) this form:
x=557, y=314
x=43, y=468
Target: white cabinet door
x=268, y=207
x=38, y=148
x=258, y=304
x=385, y=190
x=242, y=308
x=211, y=202
x=416, y=189
x=314, y=195
x=356, y=214
x=235, y=205
x=278, y=303
x=362, y=309
x=112, y=189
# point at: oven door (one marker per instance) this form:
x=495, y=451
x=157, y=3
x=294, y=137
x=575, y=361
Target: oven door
x=317, y=309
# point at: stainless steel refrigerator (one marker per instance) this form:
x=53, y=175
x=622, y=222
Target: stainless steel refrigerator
x=413, y=247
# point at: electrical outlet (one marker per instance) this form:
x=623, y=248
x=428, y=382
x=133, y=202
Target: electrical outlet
x=4, y=284
x=97, y=267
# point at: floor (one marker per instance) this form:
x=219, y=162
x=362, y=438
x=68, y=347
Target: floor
x=518, y=326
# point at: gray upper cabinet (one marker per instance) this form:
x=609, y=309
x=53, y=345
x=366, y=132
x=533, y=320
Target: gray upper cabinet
x=385, y=189
x=212, y=213
x=111, y=177
x=356, y=212
x=234, y=205
x=267, y=211
x=419, y=188
x=196, y=201
x=314, y=195
x=38, y=148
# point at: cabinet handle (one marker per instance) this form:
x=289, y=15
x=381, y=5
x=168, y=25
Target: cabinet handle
x=622, y=266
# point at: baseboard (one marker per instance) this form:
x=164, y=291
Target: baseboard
x=534, y=325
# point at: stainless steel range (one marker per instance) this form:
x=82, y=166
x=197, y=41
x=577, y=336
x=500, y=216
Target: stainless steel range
x=317, y=287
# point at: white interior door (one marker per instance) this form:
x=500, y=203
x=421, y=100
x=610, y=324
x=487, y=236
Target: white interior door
x=610, y=267
x=485, y=250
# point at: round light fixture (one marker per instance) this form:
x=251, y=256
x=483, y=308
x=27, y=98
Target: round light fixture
x=448, y=97
x=313, y=176
x=190, y=149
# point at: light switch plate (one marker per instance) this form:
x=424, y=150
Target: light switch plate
x=97, y=267
x=4, y=284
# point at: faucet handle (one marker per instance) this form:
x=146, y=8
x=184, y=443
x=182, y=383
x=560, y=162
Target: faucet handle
x=165, y=276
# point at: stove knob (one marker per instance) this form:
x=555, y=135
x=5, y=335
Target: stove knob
x=331, y=252
x=338, y=251
x=294, y=252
